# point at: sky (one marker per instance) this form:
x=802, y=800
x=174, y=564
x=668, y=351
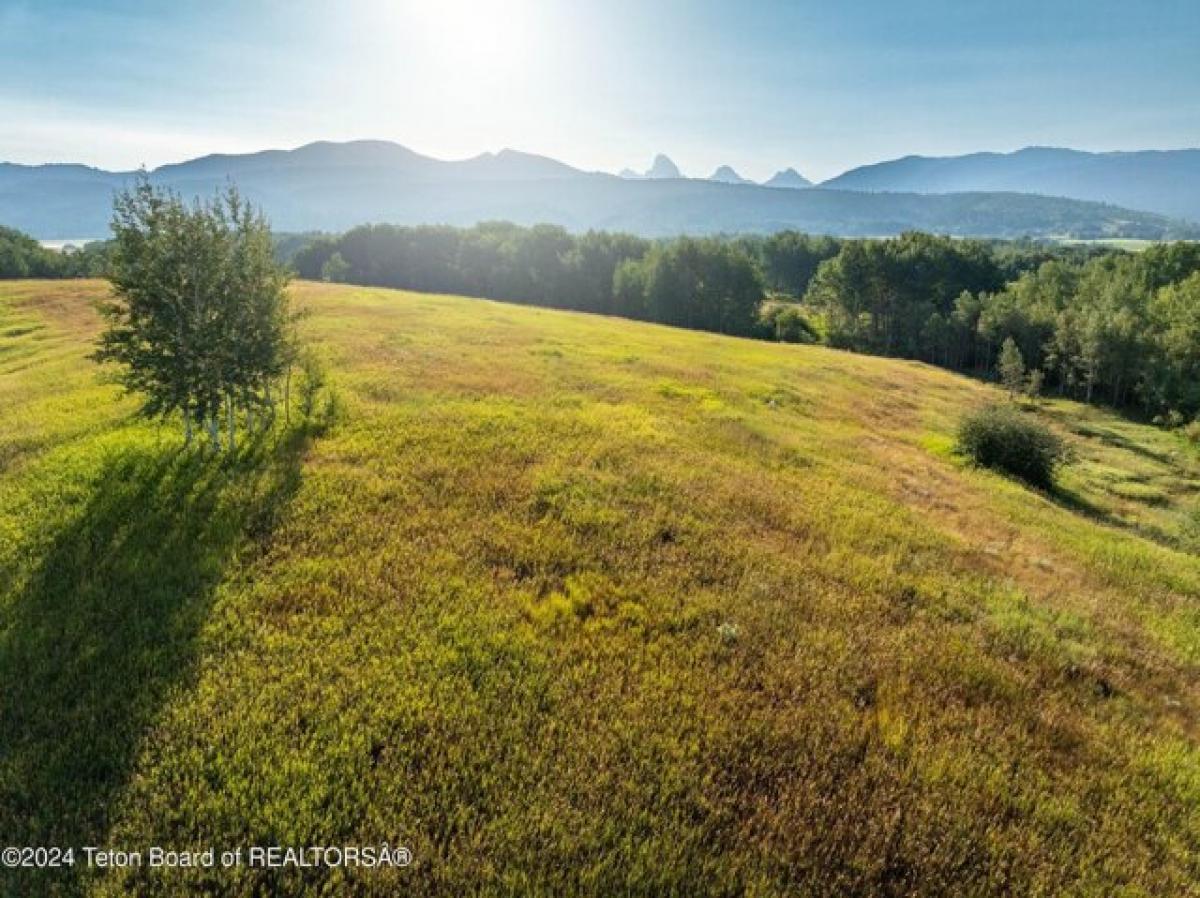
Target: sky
x=817, y=86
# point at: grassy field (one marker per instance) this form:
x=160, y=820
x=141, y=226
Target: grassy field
x=571, y=605
x=1129, y=244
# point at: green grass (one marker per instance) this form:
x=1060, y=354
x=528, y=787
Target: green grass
x=574, y=605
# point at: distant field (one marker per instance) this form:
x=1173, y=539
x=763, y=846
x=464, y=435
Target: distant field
x=570, y=605
x=1126, y=243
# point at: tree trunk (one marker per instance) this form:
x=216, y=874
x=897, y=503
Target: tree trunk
x=229, y=419
x=187, y=430
x=269, y=418
x=214, y=432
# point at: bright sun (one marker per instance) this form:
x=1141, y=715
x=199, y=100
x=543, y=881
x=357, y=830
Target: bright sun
x=471, y=38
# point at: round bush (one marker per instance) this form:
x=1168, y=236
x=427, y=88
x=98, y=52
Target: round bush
x=791, y=326
x=1002, y=438
x=787, y=323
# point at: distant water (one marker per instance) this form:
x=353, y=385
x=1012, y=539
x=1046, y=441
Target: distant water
x=57, y=245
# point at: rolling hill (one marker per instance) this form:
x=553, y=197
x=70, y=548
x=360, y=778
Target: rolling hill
x=328, y=186
x=581, y=606
x=1166, y=182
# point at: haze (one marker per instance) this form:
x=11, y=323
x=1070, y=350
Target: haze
x=759, y=86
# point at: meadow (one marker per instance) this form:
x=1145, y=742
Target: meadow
x=575, y=605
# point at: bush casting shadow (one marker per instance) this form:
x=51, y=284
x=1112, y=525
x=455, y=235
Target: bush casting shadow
x=106, y=628
x=1001, y=438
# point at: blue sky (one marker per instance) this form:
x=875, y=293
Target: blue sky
x=820, y=86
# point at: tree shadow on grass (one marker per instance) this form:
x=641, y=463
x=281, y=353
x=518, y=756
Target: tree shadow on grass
x=1077, y=502
x=1111, y=438
x=1074, y=501
x=106, y=627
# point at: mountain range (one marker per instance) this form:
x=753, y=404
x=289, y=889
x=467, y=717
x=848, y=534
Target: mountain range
x=663, y=167
x=1162, y=181
x=334, y=186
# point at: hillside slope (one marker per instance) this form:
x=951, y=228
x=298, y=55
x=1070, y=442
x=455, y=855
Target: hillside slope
x=576, y=605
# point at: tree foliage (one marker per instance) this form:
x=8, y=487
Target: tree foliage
x=1012, y=367
x=709, y=284
x=1097, y=324
x=880, y=295
x=198, y=323
x=1007, y=440
x=787, y=322
x=23, y=257
x=788, y=260
x=704, y=284
x=1115, y=326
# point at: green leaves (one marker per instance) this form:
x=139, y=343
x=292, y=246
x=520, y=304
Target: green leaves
x=1004, y=439
x=199, y=321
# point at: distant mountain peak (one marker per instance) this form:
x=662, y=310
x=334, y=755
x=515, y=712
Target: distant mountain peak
x=520, y=164
x=319, y=153
x=726, y=175
x=663, y=167
x=788, y=178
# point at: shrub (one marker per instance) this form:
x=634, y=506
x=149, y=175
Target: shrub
x=1004, y=439
x=1033, y=384
x=336, y=269
x=320, y=402
x=787, y=323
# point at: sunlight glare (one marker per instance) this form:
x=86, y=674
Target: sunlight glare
x=471, y=39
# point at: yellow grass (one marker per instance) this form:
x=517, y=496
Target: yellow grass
x=576, y=605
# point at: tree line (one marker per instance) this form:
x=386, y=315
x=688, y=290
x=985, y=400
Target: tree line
x=23, y=257
x=1093, y=323
x=708, y=284
x=1114, y=326
x=1090, y=322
